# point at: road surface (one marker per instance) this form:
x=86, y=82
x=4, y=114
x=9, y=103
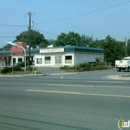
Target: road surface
x=83, y=101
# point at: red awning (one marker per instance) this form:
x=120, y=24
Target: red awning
x=16, y=50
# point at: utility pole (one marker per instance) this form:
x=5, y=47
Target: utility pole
x=29, y=36
x=126, y=39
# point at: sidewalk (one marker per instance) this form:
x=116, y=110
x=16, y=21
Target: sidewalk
x=119, y=77
x=22, y=75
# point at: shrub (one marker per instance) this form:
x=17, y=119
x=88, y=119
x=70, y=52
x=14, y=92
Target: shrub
x=88, y=66
x=6, y=70
x=64, y=67
x=17, y=68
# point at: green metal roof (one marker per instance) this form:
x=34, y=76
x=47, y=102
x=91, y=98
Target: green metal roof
x=7, y=53
x=4, y=53
x=78, y=49
x=82, y=49
x=66, y=49
x=33, y=51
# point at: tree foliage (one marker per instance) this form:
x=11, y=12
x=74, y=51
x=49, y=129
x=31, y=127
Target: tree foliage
x=36, y=38
x=71, y=38
x=86, y=40
x=114, y=50
x=7, y=47
x=128, y=47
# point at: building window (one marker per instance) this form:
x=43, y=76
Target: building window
x=19, y=59
x=39, y=60
x=68, y=59
x=47, y=60
x=14, y=61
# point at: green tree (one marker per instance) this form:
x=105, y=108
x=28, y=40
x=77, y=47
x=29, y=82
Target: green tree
x=114, y=50
x=51, y=42
x=7, y=47
x=86, y=40
x=36, y=38
x=128, y=47
x=71, y=38
x=98, y=43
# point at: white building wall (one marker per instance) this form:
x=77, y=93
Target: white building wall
x=77, y=58
x=53, y=60
x=87, y=57
x=16, y=59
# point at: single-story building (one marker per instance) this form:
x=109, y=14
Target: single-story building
x=52, y=56
x=5, y=58
x=67, y=55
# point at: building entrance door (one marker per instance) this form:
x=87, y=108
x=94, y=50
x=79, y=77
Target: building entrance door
x=58, y=60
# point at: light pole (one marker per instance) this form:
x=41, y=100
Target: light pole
x=23, y=50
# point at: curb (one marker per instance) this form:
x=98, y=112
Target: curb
x=24, y=75
x=117, y=77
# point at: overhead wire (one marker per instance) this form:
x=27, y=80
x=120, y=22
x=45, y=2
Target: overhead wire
x=12, y=25
x=94, y=11
x=45, y=31
x=7, y=36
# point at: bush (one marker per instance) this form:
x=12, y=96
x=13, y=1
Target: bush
x=6, y=70
x=64, y=67
x=88, y=66
x=17, y=68
x=83, y=65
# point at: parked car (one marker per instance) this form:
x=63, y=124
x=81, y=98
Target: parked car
x=21, y=63
x=123, y=64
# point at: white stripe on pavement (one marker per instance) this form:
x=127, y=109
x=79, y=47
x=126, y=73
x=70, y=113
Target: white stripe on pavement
x=104, y=82
x=62, y=73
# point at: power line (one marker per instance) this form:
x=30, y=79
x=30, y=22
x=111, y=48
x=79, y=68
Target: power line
x=45, y=32
x=94, y=11
x=7, y=36
x=12, y=25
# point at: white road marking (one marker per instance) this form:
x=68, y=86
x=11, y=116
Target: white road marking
x=62, y=73
x=70, y=85
x=85, y=86
x=103, y=82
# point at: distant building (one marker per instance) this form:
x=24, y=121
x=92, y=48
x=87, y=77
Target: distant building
x=67, y=55
x=53, y=56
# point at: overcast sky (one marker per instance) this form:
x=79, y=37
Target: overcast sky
x=52, y=17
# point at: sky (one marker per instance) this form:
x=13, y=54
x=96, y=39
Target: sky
x=97, y=18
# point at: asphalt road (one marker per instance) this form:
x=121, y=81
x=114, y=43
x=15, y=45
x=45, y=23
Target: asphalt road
x=83, y=101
